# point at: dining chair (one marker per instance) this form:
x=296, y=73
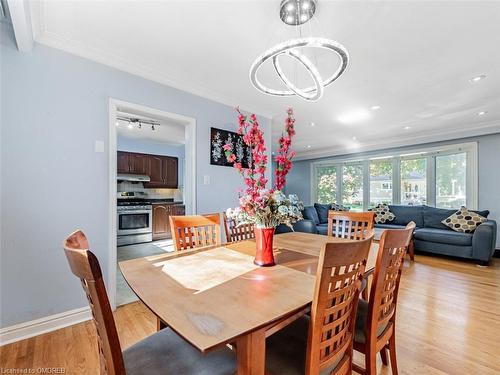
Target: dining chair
x=411, y=246
x=364, y=288
x=350, y=225
x=322, y=343
x=376, y=318
x=163, y=352
x=237, y=232
x=190, y=232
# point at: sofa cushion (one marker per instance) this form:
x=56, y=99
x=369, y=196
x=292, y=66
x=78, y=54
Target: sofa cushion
x=443, y=248
x=405, y=214
x=444, y=236
x=310, y=213
x=322, y=229
x=322, y=210
x=464, y=221
x=433, y=216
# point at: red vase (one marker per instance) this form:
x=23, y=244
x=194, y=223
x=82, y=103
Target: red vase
x=264, y=241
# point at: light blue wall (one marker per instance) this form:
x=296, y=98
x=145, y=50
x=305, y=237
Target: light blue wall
x=299, y=179
x=146, y=146
x=54, y=106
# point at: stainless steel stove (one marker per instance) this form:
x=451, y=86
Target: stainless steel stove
x=134, y=218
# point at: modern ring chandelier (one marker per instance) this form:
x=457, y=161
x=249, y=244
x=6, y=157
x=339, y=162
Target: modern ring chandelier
x=295, y=13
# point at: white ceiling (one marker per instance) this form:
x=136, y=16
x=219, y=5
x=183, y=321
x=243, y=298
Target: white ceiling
x=414, y=59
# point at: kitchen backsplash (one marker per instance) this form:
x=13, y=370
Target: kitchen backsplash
x=176, y=194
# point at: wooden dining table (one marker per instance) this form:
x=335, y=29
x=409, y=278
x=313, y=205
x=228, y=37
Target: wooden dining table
x=216, y=296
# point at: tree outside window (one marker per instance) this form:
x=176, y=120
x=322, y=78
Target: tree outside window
x=327, y=184
x=451, y=174
x=352, y=186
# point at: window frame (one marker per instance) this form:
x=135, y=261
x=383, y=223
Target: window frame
x=430, y=153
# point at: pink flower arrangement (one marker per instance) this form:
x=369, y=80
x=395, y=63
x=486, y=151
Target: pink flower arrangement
x=259, y=205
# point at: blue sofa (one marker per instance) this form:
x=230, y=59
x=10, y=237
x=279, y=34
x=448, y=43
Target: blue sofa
x=431, y=235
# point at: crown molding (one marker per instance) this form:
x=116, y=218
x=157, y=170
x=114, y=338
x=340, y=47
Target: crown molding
x=438, y=136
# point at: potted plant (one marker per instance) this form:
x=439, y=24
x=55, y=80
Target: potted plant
x=264, y=208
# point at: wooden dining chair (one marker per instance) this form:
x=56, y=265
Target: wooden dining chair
x=322, y=343
x=350, y=225
x=376, y=319
x=237, y=232
x=190, y=232
x=411, y=246
x=163, y=352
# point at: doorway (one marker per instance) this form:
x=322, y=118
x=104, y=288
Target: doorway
x=144, y=137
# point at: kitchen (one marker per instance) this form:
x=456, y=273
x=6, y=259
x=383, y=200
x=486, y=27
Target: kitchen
x=150, y=188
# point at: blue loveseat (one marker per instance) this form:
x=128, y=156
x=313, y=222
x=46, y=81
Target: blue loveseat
x=431, y=235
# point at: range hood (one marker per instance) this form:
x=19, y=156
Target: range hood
x=132, y=177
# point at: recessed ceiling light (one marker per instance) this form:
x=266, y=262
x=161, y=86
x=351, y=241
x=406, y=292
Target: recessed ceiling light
x=477, y=78
x=313, y=124
x=482, y=113
x=375, y=107
x=354, y=116
x=407, y=127
x=117, y=123
x=308, y=146
x=354, y=138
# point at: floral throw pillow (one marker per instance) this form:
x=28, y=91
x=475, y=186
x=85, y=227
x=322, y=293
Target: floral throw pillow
x=464, y=221
x=383, y=214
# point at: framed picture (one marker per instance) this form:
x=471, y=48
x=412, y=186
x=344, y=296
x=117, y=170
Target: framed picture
x=221, y=137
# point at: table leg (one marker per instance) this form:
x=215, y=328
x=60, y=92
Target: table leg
x=251, y=353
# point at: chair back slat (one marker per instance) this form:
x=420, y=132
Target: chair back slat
x=338, y=283
x=384, y=291
x=350, y=225
x=190, y=232
x=237, y=231
x=85, y=266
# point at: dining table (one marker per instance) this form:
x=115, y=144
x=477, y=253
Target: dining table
x=215, y=296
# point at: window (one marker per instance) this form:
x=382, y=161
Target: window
x=451, y=173
x=414, y=181
x=326, y=177
x=380, y=182
x=352, y=186
x=443, y=176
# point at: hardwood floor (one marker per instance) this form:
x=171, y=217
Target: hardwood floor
x=448, y=323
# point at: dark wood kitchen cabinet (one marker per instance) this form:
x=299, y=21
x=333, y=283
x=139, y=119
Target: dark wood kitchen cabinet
x=163, y=171
x=161, y=225
x=139, y=163
x=161, y=219
x=155, y=169
x=123, y=162
x=170, y=172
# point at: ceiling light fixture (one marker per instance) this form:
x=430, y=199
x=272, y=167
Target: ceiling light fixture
x=482, y=113
x=308, y=146
x=296, y=13
x=117, y=123
x=313, y=124
x=354, y=138
x=407, y=128
x=477, y=78
x=354, y=116
x=375, y=107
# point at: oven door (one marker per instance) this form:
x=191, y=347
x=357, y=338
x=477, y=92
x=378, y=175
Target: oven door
x=134, y=222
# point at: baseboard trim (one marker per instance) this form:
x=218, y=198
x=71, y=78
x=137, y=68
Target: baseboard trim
x=46, y=324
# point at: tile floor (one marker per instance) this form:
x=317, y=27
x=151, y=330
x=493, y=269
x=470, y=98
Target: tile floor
x=124, y=294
